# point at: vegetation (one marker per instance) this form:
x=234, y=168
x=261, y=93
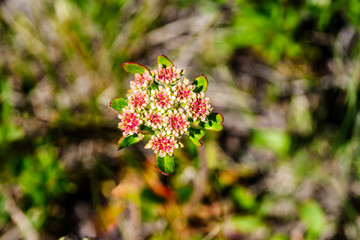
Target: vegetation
x=284, y=74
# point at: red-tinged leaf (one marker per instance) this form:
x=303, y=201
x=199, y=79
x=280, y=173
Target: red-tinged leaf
x=214, y=122
x=134, y=68
x=164, y=61
x=127, y=141
x=165, y=165
x=201, y=83
x=118, y=104
x=196, y=135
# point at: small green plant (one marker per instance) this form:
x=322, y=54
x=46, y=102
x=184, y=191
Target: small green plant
x=159, y=104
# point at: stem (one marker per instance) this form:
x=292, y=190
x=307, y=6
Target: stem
x=18, y=217
x=220, y=200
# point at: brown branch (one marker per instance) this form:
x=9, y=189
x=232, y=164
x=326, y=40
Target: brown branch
x=18, y=217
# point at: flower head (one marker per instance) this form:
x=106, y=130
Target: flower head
x=163, y=106
x=183, y=91
x=142, y=81
x=129, y=122
x=154, y=120
x=169, y=75
x=138, y=99
x=177, y=123
x=199, y=107
x=161, y=98
x=163, y=145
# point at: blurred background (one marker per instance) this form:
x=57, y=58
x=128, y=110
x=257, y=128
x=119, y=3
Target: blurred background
x=284, y=74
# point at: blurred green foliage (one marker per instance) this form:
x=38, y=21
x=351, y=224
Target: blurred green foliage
x=285, y=75
x=314, y=218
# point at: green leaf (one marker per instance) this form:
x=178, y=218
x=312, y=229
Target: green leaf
x=127, y=141
x=154, y=86
x=118, y=104
x=184, y=193
x=214, y=122
x=246, y=224
x=146, y=130
x=196, y=135
x=134, y=68
x=313, y=216
x=164, y=61
x=197, y=122
x=279, y=237
x=201, y=83
x=279, y=141
x=243, y=198
x=165, y=165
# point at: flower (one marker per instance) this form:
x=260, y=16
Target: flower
x=154, y=119
x=163, y=106
x=142, y=81
x=169, y=75
x=138, y=99
x=177, y=123
x=129, y=122
x=183, y=91
x=163, y=145
x=199, y=107
x=161, y=98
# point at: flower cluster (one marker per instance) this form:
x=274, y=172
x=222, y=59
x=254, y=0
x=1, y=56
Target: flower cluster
x=161, y=105
x=167, y=75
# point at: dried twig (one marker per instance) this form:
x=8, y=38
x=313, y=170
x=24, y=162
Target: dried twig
x=18, y=217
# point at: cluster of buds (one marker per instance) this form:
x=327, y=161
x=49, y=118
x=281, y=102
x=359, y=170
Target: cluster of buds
x=168, y=75
x=163, y=106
